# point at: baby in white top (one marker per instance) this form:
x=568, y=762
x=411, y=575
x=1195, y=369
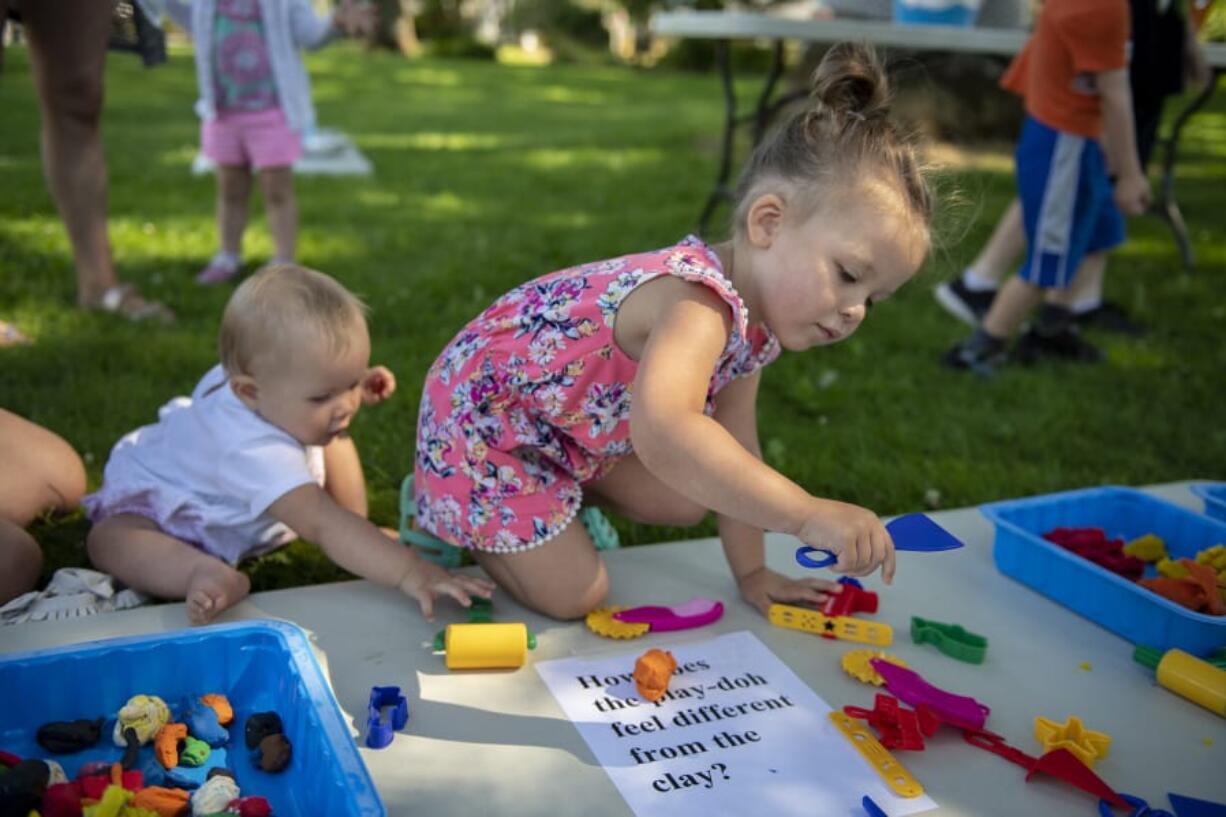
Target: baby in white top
x=257, y=456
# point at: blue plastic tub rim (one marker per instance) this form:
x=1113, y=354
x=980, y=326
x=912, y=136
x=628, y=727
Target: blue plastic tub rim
x=298, y=645
x=1211, y=492
x=992, y=510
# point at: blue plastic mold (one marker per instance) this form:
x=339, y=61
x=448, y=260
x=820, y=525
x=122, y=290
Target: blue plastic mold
x=1123, y=607
x=1214, y=495
x=259, y=666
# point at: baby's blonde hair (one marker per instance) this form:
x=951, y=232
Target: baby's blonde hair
x=280, y=304
x=844, y=132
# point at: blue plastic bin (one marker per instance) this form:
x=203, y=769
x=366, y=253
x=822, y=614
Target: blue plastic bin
x=259, y=666
x=952, y=14
x=1123, y=607
x=1214, y=495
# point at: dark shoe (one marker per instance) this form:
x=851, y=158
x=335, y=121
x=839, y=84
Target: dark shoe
x=974, y=355
x=1111, y=318
x=967, y=305
x=1065, y=345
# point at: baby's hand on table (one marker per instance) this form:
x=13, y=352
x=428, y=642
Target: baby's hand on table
x=378, y=385
x=425, y=581
x=855, y=535
x=764, y=587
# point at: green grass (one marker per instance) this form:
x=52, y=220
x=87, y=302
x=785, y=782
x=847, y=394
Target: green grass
x=487, y=176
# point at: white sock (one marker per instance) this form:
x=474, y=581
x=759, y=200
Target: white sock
x=976, y=282
x=228, y=260
x=1087, y=304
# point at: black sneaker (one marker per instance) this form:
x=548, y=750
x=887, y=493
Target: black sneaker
x=1111, y=318
x=1065, y=345
x=974, y=355
x=967, y=305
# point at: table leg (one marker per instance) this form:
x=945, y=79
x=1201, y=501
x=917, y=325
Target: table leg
x=1167, y=207
x=721, y=191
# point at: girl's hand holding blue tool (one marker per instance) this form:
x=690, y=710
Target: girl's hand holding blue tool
x=915, y=531
x=854, y=538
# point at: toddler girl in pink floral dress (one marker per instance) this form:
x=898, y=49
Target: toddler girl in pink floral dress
x=631, y=383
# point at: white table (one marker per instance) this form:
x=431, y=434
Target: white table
x=497, y=742
x=722, y=27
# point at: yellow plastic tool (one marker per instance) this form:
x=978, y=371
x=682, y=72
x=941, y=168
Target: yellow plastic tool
x=892, y=772
x=846, y=628
x=856, y=663
x=601, y=622
x=486, y=646
x=1086, y=745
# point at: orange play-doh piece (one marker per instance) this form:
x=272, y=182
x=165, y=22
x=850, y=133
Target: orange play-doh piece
x=652, y=673
x=166, y=802
x=1197, y=590
x=221, y=705
x=166, y=744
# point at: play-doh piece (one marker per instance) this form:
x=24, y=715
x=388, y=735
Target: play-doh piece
x=910, y=687
x=1171, y=569
x=166, y=802
x=274, y=753
x=146, y=714
x=1147, y=548
x=856, y=664
x=847, y=628
x=652, y=672
x=219, y=770
x=1185, y=806
x=111, y=804
x=1086, y=745
x=195, y=752
x=602, y=623
x=1085, y=666
x=891, y=771
x=203, y=724
x=378, y=733
x=67, y=737
x=130, y=779
x=166, y=744
x=8, y=760
x=22, y=786
x=55, y=773
x=132, y=753
x=697, y=612
x=914, y=532
x=1215, y=557
x=213, y=796
x=950, y=639
x=1093, y=545
x=260, y=726
x=62, y=800
x=221, y=705
x=1197, y=589
x=253, y=806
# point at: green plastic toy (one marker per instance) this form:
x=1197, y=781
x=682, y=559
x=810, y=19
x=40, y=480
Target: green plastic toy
x=950, y=639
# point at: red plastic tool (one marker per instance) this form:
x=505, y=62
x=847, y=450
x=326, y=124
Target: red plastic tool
x=1059, y=763
x=897, y=727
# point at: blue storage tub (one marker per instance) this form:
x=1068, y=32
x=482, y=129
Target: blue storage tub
x=952, y=13
x=1214, y=495
x=259, y=666
x=1124, y=607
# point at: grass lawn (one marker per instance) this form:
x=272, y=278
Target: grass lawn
x=487, y=176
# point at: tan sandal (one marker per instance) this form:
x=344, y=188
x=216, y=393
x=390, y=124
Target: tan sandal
x=123, y=300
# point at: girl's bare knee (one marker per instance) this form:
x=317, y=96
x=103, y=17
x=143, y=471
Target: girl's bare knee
x=577, y=600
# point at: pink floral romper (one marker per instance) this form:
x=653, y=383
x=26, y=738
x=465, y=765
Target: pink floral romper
x=532, y=399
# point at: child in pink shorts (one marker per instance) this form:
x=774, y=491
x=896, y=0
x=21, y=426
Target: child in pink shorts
x=255, y=101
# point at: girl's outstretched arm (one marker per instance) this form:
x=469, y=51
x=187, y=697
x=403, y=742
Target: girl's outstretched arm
x=703, y=460
x=743, y=544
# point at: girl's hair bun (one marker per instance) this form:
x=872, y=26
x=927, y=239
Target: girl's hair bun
x=850, y=82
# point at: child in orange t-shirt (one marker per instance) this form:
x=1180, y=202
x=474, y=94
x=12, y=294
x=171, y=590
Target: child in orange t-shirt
x=1073, y=73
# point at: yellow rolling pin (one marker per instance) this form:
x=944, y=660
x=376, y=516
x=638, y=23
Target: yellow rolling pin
x=486, y=646
x=1185, y=674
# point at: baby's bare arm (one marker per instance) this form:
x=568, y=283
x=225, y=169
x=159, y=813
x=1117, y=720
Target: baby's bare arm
x=361, y=548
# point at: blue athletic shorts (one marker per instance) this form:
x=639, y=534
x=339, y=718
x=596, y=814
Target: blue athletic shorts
x=1068, y=205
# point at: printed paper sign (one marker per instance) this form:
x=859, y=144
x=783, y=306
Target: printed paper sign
x=737, y=733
